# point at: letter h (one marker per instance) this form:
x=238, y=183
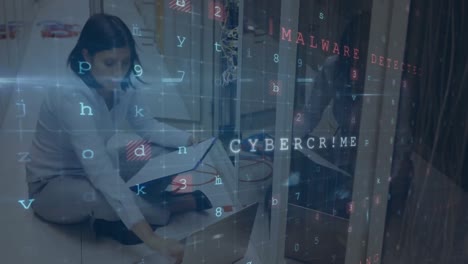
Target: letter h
x=87, y=107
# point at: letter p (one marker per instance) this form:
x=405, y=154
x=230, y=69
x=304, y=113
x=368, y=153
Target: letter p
x=84, y=66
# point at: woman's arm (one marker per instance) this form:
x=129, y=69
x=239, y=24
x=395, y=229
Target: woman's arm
x=94, y=157
x=142, y=120
x=85, y=140
x=168, y=247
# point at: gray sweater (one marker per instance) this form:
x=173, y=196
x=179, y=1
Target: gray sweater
x=72, y=131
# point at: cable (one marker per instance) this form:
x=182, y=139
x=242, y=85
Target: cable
x=258, y=161
x=212, y=179
x=217, y=173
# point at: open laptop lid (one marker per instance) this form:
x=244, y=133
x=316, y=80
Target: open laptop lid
x=173, y=163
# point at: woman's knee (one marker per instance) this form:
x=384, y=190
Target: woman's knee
x=58, y=213
x=63, y=201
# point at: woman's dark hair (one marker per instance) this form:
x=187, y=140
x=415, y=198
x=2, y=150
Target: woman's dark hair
x=103, y=32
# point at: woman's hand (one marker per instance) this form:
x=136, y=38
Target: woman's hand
x=168, y=247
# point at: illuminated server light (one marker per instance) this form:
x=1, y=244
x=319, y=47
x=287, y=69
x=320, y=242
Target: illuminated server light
x=174, y=80
x=305, y=80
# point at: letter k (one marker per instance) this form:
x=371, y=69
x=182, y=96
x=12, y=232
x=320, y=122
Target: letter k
x=140, y=190
x=138, y=111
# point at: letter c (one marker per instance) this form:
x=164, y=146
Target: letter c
x=231, y=145
x=308, y=142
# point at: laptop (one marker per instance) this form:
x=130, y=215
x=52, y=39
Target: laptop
x=224, y=242
x=172, y=163
x=315, y=237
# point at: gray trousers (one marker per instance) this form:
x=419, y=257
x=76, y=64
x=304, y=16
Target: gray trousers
x=68, y=199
